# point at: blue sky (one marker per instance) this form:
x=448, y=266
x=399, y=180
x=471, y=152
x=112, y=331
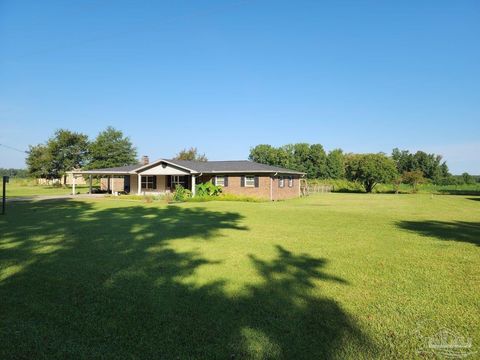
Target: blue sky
x=365, y=76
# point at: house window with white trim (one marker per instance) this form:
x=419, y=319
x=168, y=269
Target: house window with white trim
x=148, y=182
x=178, y=180
x=249, y=181
x=290, y=181
x=220, y=180
x=281, y=181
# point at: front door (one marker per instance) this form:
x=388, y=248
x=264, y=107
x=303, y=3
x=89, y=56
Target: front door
x=126, y=183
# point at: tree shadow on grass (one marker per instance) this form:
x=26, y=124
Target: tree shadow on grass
x=87, y=282
x=474, y=198
x=462, y=231
x=458, y=192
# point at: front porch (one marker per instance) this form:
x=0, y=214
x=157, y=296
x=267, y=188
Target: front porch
x=160, y=184
x=140, y=184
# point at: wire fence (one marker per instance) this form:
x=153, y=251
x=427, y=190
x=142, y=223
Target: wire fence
x=307, y=189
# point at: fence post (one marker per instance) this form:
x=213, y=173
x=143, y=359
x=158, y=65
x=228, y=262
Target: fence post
x=4, y=193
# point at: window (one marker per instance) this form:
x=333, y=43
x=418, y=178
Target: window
x=290, y=181
x=148, y=182
x=281, y=182
x=220, y=180
x=178, y=180
x=249, y=181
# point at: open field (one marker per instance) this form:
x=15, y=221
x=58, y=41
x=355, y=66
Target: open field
x=27, y=187
x=344, y=276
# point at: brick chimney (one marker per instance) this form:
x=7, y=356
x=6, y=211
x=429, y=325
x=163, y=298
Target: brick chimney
x=144, y=160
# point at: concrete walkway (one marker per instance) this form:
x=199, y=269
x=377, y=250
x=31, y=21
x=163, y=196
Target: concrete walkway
x=53, y=197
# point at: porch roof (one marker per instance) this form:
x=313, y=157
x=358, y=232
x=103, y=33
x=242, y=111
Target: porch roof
x=120, y=170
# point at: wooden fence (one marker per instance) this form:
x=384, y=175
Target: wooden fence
x=307, y=189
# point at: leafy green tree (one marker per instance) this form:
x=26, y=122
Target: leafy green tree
x=317, y=164
x=38, y=161
x=67, y=150
x=110, y=149
x=467, y=178
x=304, y=157
x=370, y=169
x=64, y=151
x=403, y=160
x=430, y=165
x=190, y=154
x=335, y=164
x=264, y=154
x=301, y=157
x=284, y=158
x=413, y=178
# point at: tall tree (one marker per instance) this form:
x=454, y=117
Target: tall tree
x=310, y=159
x=301, y=157
x=190, y=154
x=64, y=151
x=430, y=165
x=67, y=150
x=370, y=169
x=38, y=162
x=317, y=165
x=264, y=154
x=110, y=149
x=335, y=164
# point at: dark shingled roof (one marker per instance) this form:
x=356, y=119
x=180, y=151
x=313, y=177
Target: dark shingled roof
x=236, y=166
x=243, y=166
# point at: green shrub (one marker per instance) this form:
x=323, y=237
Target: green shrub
x=226, y=197
x=147, y=198
x=207, y=189
x=232, y=197
x=181, y=194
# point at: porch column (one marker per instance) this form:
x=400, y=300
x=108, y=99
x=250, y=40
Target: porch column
x=73, y=184
x=90, y=183
x=113, y=184
x=139, y=184
x=193, y=185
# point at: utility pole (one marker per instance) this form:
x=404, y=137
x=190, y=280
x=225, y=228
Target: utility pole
x=4, y=196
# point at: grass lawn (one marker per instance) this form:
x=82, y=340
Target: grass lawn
x=344, y=276
x=26, y=187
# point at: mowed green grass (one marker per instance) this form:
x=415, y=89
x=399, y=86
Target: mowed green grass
x=344, y=276
x=26, y=188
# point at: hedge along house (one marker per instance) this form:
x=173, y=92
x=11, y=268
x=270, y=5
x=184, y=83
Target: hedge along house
x=235, y=177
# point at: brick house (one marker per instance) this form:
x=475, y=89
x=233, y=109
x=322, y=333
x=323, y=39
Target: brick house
x=235, y=177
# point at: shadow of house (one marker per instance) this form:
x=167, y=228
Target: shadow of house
x=89, y=283
x=462, y=231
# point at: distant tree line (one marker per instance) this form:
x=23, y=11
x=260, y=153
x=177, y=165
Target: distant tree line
x=369, y=169
x=14, y=173
x=67, y=150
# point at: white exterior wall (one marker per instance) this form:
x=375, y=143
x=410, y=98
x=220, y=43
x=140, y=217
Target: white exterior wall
x=164, y=169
